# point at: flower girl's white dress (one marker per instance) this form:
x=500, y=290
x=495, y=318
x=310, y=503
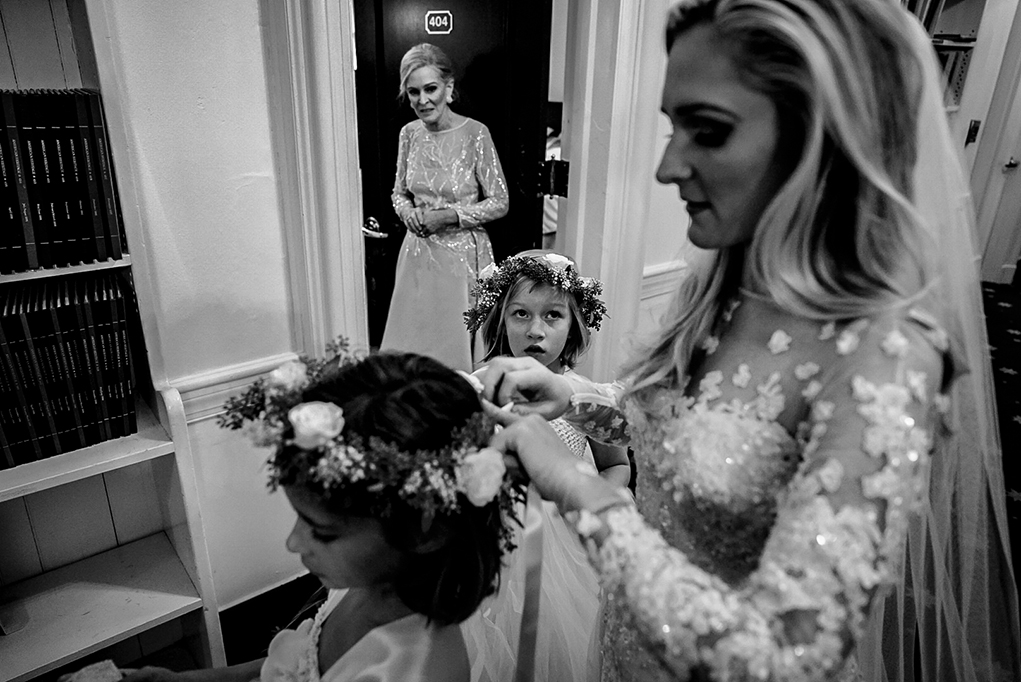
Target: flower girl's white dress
x=570, y=618
x=405, y=650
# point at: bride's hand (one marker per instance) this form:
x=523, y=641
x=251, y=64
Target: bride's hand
x=528, y=384
x=529, y=442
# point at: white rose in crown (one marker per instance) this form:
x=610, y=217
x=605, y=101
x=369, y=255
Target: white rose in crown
x=289, y=376
x=558, y=261
x=488, y=271
x=315, y=424
x=480, y=476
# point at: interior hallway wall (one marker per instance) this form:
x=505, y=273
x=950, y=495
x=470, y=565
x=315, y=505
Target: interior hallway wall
x=195, y=100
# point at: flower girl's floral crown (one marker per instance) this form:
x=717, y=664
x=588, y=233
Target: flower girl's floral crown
x=271, y=413
x=549, y=268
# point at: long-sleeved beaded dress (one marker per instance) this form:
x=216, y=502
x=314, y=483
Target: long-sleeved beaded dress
x=774, y=495
x=459, y=169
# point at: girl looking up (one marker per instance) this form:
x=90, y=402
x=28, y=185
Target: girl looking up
x=536, y=305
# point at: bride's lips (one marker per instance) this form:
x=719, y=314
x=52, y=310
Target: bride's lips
x=693, y=207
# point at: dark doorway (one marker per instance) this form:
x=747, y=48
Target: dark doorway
x=500, y=50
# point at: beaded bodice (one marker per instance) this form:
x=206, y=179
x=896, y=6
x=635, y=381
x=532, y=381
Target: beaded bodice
x=456, y=168
x=710, y=478
x=774, y=489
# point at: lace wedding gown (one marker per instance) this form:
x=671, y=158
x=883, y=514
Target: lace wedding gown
x=774, y=494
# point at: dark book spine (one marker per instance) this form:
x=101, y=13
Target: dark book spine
x=24, y=442
x=49, y=430
x=63, y=126
x=40, y=104
x=13, y=257
x=120, y=358
x=36, y=179
x=92, y=196
x=11, y=426
x=82, y=299
x=24, y=204
x=83, y=392
x=72, y=429
x=105, y=169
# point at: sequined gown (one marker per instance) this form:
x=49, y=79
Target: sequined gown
x=458, y=169
x=774, y=491
x=570, y=613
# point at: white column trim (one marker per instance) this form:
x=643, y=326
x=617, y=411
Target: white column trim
x=610, y=108
x=309, y=49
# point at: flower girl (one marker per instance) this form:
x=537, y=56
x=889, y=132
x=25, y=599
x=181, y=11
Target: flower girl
x=402, y=512
x=536, y=304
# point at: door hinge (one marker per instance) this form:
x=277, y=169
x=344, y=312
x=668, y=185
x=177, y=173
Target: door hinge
x=553, y=177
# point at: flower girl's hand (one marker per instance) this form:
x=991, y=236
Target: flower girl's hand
x=528, y=384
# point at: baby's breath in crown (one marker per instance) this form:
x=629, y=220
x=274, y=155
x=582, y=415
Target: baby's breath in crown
x=549, y=268
x=271, y=414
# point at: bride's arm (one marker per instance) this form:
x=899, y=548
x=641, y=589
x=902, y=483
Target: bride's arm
x=838, y=535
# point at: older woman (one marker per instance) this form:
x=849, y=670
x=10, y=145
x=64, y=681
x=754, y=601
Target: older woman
x=820, y=495
x=449, y=183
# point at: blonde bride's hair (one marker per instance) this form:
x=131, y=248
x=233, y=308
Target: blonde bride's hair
x=841, y=238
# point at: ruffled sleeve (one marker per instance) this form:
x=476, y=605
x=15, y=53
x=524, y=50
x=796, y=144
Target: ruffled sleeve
x=837, y=537
x=595, y=410
x=495, y=199
x=401, y=197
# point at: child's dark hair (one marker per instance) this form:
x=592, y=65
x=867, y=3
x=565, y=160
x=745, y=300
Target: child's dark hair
x=415, y=404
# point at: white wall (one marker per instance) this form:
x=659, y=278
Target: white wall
x=194, y=97
x=196, y=100
x=557, y=50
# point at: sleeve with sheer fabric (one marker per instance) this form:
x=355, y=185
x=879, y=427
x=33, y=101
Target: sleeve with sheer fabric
x=838, y=536
x=401, y=197
x=492, y=185
x=595, y=410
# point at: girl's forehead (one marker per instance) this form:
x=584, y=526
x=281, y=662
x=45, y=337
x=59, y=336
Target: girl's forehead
x=538, y=292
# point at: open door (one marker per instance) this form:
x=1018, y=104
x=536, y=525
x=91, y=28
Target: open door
x=500, y=50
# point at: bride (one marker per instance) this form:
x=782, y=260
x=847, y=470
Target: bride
x=820, y=494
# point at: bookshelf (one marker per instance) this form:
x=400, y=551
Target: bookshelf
x=103, y=547
x=80, y=609
x=954, y=26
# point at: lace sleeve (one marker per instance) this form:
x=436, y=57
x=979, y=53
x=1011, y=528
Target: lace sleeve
x=492, y=185
x=401, y=197
x=595, y=410
x=838, y=536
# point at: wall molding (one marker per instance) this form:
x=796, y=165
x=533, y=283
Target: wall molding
x=309, y=55
x=203, y=394
x=662, y=279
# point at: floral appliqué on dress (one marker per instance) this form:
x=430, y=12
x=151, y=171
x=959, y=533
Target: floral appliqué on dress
x=739, y=563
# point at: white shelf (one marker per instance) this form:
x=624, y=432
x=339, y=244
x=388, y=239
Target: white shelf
x=76, y=610
x=122, y=262
x=149, y=442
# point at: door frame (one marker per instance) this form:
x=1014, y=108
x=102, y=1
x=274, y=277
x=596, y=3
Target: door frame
x=997, y=237
x=308, y=50
x=310, y=58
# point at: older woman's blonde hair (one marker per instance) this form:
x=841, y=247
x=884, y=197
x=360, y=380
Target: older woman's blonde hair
x=841, y=237
x=425, y=54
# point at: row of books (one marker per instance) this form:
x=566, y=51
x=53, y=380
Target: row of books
x=66, y=372
x=58, y=197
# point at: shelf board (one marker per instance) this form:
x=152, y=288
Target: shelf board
x=149, y=442
x=122, y=262
x=86, y=606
